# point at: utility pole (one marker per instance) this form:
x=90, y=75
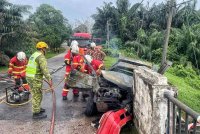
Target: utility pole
x=108, y=33
x=165, y=45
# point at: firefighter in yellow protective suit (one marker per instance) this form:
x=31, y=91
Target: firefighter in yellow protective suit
x=36, y=69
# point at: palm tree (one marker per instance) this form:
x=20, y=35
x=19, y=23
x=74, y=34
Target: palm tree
x=104, y=14
x=11, y=19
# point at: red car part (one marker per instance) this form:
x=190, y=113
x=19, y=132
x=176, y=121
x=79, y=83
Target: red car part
x=112, y=121
x=191, y=126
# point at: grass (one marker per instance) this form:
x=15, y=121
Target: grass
x=51, y=54
x=109, y=61
x=3, y=69
x=186, y=94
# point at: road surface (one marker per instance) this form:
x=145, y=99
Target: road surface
x=69, y=114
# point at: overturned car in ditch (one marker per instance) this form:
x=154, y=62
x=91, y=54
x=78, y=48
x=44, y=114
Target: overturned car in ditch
x=110, y=91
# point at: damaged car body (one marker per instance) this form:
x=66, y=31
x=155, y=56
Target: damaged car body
x=112, y=90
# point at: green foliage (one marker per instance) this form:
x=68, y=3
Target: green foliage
x=186, y=93
x=15, y=33
x=129, y=53
x=142, y=30
x=185, y=45
x=51, y=25
x=104, y=14
x=188, y=74
x=51, y=54
x=156, y=55
x=3, y=69
x=109, y=61
x=111, y=52
x=147, y=45
x=116, y=43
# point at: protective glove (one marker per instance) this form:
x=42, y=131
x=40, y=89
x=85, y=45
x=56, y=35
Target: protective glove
x=102, y=68
x=78, y=67
x=9, y=75
x=98, y=72
x=67, y=62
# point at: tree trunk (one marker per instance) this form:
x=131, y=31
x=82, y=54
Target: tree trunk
x=108, y=34
x=165, y=46
x=0, y=39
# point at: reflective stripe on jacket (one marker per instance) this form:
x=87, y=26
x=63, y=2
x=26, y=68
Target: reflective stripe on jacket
x=17, y=68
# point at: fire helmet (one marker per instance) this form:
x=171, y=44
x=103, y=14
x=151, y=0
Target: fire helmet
x=93, y=44
x=74, y=47
x=21, y=56
x=88, y=58
x=41, y=45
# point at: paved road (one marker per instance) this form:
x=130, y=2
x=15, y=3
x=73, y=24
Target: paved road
x=69, y=115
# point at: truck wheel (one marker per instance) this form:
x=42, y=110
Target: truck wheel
x=91, y=108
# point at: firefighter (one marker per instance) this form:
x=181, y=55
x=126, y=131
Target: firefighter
x=95, y=52
x=36, y=69
x=72, y=60
x=17, y=69
x=96, y=64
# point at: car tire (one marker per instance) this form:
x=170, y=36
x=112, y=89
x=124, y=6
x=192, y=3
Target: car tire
x=91, y=108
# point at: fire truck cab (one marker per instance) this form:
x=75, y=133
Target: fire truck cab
x=84, y=39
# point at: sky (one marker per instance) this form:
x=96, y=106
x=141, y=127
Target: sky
x=79, y=9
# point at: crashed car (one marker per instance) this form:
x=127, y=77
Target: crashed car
x=112, y=90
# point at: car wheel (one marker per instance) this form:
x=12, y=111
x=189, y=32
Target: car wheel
x=91, y=108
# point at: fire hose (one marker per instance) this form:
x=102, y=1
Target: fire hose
x=53, y=109
x=53, y=113
x=54, y=103
x=53, y=100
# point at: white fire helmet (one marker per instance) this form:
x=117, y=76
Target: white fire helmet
x=74, y=42
x=88, y=58
x=93, y=44
x=74, y=47
x=21, y=56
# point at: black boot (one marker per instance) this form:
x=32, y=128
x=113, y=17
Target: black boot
x=64, y=97
x=42, y=110
x=85, y=95
x=39, y=115
x=95, y=123
x=76, y=95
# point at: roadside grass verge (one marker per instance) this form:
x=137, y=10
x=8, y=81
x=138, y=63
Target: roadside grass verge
x=186, y=94
x=3, y=69
x=51, y=54
x=109, y=61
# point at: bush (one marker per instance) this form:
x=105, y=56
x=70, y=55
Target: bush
x=181, y=71
x=111, y=52
x=115, y=43
x=156, y=55
x=129, y=52
x=10, y=53
x=188, y=74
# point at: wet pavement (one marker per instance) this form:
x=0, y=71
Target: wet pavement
x=70, y=118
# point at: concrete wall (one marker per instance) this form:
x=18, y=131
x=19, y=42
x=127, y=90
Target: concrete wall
x=149, y=104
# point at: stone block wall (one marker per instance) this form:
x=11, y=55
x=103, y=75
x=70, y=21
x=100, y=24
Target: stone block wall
x=149, y=104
